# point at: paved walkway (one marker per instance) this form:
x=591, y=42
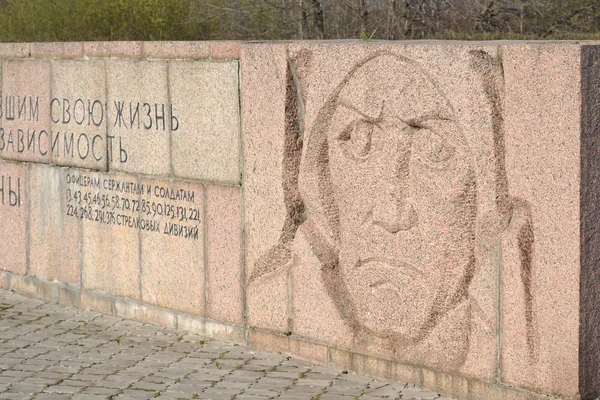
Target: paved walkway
x=52, y=352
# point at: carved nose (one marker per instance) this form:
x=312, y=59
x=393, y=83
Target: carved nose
x=395, y=211
x=395, y=215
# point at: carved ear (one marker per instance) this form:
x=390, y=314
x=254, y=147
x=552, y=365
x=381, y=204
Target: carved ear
x=280, y=255
x=494, y=205
x=301, y=64
x=518, y=263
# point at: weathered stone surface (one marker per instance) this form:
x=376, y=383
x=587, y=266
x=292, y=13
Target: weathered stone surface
x=224, y=253
x=143, y=313
x=26, y=110
x=267, y=302
x=225, y=49
x=32, y=287
x=589, y=309
x=106, y=204
x=55, y=238
x=384, y=130
x=57, y=49
x=283, y=344
x=114, y=49
x=14, y=50
x=13, y=213
x=78, y=113
x=263, y=105
x=172, y=251
x=205, y=98
x=543, y=118
x=186, y=50
x=97, y=302
x=311, y=304
x=138, y=117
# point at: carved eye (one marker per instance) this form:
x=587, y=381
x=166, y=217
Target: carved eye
x=432, y=149
x=356, y=141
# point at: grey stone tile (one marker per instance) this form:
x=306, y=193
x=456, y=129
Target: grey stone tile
x=83, y=355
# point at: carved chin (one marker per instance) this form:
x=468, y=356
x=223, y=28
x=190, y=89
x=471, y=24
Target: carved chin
x=394, y=306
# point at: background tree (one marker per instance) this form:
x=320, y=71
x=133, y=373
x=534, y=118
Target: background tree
x=71, y=20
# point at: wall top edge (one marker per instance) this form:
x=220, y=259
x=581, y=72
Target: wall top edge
x=225, y=49
x=115, y=44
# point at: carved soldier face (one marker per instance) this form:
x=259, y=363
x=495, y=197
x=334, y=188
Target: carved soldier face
x=404, y=184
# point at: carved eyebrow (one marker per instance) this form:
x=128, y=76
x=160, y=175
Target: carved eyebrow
x=416, y=122
x=420, y=122
x=369, y=118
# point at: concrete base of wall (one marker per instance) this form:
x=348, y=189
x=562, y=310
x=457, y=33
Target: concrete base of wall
x=457, y=386
x=58, y=292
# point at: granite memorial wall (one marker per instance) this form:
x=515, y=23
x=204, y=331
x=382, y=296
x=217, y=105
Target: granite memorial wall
x=422, y=212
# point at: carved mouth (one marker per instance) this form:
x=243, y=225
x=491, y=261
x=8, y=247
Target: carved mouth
x=384, y=272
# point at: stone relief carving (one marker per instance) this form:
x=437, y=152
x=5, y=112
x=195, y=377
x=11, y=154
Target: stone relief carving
x=387, y=192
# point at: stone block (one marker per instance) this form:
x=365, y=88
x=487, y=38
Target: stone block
x=205, y=98
x=14, y=50
x=98, y=302
x=113, y=49
x=407, y=373
x=172, y=248
x=13, y=213
x=34, y=288
x=107, y=204
x=55, y=237
x=221, y=331
x=267, y=302
x=303, y=350
x=445, y=383
x=492, y=391
x=144, y=313
x=138, y=117
x=69, y=296
x=378, y=368
x=78, y=114
x=191, y=323
x=224, y=253
x=166, y=49
x=542, y=258
x=308, y=351
x=266, y=214
x=312, y=305
x=25, y=118
x=4, y=280
x=57, y=49
x=225, y=49
x=589, y=241
x=268, y=341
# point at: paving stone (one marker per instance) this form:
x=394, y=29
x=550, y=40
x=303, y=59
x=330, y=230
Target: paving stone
x=26, y=388
x=101, y=390
x=63, y=389
x=84, y=396
x=8, y=379
x=51, y=396
x=140, y=394
x=82, y=355
x=261, y=392
x=15, y=396
x=157, y=387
